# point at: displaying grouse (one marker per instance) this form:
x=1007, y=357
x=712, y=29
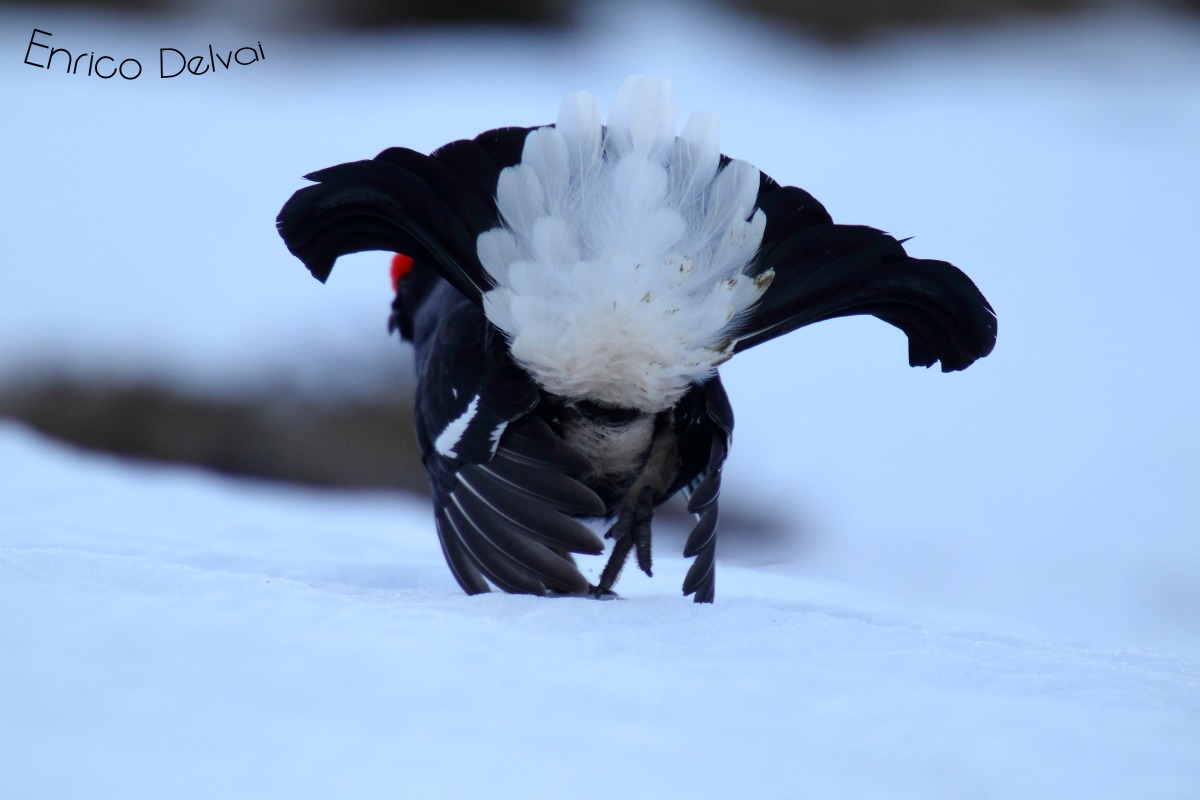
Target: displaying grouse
x=570, y=290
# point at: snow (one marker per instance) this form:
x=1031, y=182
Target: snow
x=991, y=588
x=181, y=635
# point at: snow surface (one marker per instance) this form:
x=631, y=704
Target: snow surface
x=171, y=634
x=992, y=590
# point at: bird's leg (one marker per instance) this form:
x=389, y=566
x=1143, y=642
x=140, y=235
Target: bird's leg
x=612, y=570
x=637, y=461
x=643, y=513
x=631, y=531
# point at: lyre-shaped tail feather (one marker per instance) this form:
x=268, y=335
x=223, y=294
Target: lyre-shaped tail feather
x=822, y=270
x=431, y=208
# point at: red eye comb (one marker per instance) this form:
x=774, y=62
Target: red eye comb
x=401, y=264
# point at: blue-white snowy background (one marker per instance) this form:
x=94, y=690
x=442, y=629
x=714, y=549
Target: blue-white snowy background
x=994, y=589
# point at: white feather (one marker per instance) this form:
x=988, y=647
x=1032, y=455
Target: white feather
x=620, y=263
x=449, y=438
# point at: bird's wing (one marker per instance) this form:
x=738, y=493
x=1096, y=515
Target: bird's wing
x=705, y=420
x=431, y=208
x=504, y=484
x=823, y=270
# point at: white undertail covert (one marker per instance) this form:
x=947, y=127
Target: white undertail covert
x=620, y=261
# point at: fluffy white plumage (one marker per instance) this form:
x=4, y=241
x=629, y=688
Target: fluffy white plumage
x=619, y=266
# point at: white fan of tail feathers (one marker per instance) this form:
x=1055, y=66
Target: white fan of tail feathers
x=619, y=264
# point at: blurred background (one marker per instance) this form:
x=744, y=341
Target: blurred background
x=1048, y=147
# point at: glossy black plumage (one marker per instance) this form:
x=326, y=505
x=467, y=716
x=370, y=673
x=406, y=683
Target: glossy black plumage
x=508, y=485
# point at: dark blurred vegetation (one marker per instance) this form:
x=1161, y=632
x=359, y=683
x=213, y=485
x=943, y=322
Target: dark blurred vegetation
x=359, y=443
x=858, y=19
x=842, y=21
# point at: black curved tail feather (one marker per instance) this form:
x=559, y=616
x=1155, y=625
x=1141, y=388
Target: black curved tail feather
x=823, y=270
x=378, y=205
x=431, y=208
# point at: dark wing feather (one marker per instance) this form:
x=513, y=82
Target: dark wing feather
x=489, y=559
x=493, y=530
x=823, y=270
x=504, y=484
x=538, y=566
x=705, y=420
x=458, y=557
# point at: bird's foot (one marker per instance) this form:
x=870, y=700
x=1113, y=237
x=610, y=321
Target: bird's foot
x=603, y=594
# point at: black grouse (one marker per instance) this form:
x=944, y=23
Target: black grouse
x=570, y=290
